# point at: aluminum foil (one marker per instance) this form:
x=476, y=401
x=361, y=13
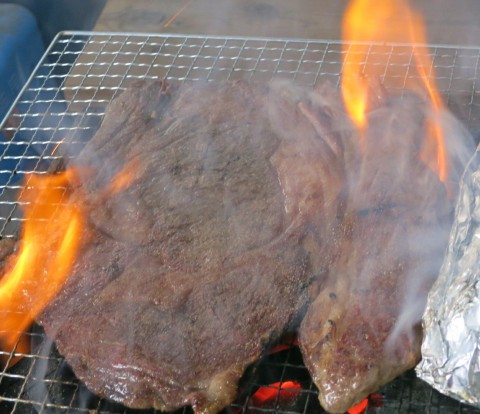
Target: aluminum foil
x=451, y=344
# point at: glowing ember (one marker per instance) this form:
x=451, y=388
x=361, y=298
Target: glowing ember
x=368, y=21
x=286, y=392
x=52, y=234
x=284, y=346
x=58, y=145
x=360, y=408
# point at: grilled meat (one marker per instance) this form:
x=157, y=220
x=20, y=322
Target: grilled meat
x=241, y=207
x=363, y=329
x=211, y=247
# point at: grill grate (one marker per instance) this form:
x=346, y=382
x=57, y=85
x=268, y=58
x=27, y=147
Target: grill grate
x=62, y=105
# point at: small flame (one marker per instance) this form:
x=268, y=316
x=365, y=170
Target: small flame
x=368, y=21
x=51, y=237
x=124, y=178
x=433, y=153
x=285, y=391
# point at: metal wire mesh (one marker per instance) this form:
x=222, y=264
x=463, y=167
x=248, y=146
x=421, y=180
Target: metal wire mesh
x=63, y=104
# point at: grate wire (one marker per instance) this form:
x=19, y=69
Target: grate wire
x=62, y=106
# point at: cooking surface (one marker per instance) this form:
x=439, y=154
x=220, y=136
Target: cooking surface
x=67, y=97
x=63, y=106
x=59, y=392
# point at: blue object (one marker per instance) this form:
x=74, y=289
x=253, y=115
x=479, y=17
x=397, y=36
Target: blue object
x=21, y=48
x=55, y=16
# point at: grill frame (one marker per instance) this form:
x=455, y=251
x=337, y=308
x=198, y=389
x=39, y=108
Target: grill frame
x=66, y=97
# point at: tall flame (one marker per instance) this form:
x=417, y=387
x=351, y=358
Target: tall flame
x=372, y=21
x=51, y=237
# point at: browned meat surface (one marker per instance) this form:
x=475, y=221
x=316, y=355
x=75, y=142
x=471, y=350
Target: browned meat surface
x=209, y=249
x=220, y=214
x=363, y=329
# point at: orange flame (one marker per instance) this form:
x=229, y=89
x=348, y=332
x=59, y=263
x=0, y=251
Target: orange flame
x=434, y=153
x=51, y=237
x=124, y=178
x=365, y=21
x=372, y=21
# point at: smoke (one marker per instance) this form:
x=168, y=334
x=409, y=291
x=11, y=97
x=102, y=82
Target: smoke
x=363, y=205
x=38, y=390
x=381, y=218
x=459, y=143
x=427, y=235
x=379, y=173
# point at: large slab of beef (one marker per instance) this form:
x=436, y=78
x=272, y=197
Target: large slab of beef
x=211, y=248
x=364, y=328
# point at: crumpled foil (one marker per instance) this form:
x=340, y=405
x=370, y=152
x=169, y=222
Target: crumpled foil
x=451, y=344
